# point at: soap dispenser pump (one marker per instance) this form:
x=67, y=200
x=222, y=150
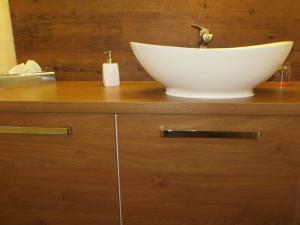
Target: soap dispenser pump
x=110, y=72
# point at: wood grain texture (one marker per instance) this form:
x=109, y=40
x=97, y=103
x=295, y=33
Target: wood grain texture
x=143, y=97
x=69, y=36
x=58, y=180
x=190, y=181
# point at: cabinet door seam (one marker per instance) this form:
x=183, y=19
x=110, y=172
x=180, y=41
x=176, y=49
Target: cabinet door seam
x=119, y=197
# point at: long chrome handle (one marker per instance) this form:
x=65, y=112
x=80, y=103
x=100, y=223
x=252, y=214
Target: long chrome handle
x=168, y=133
x=35, y=130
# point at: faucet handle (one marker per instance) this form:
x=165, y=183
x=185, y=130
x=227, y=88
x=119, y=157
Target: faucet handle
x=197, y=26
x=202, y=30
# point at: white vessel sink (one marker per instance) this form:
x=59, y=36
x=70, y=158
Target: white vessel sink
x=211, y=73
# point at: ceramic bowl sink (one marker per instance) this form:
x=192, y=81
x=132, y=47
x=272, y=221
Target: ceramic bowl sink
x=214, y=72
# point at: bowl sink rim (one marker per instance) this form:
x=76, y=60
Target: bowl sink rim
x=267, y=45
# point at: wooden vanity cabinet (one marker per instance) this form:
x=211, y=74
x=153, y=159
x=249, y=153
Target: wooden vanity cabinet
x=209, y=181
x=57, y=179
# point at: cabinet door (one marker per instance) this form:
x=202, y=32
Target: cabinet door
x=221, y=178
x=57, y=179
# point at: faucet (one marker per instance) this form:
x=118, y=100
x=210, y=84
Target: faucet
x=205, y=36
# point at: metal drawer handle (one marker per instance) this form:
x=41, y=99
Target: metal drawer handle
x=168, y=133
x=35, y=130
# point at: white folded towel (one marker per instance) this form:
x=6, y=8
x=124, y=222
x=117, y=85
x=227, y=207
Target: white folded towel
x=30, y=67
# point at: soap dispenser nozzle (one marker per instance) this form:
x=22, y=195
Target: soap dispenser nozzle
x=109, y=59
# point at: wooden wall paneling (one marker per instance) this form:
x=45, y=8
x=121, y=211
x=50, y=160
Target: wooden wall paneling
x=69, y=36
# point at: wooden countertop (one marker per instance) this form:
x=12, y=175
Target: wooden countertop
x=143, y=97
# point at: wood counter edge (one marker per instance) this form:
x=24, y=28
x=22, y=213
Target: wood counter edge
x=151, y=108
x=133, y=97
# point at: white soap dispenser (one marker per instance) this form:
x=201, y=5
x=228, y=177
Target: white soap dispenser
x=110, y=72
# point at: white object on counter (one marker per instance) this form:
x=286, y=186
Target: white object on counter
x=34, y=66
x=7, y=46
x=213, y=72
x=110, y=72
x=30, y=67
